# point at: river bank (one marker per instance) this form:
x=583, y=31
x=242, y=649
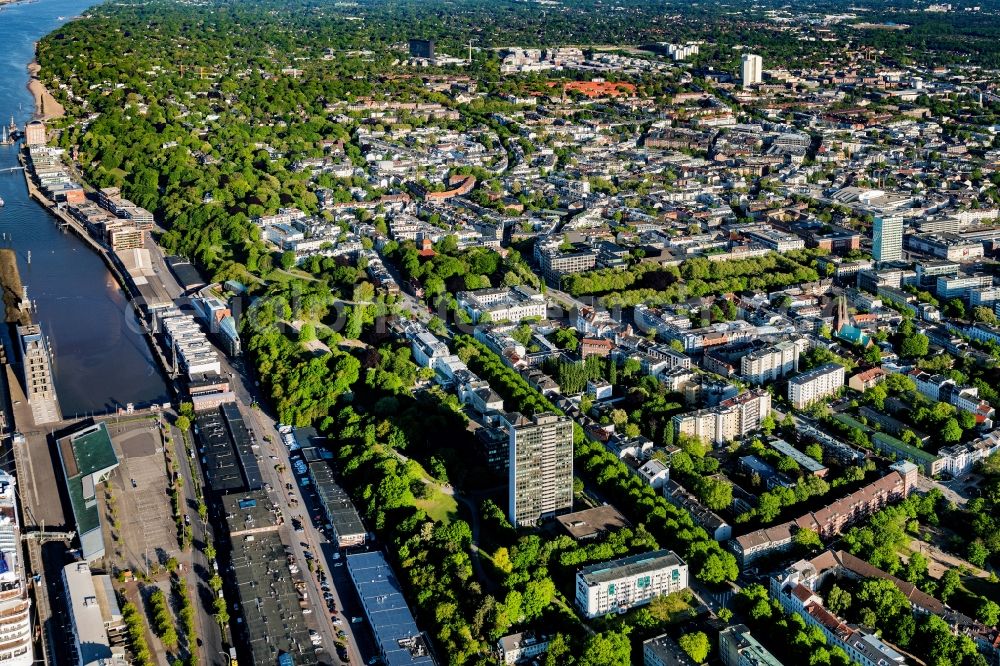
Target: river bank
x=46, y=106
x=101, y=359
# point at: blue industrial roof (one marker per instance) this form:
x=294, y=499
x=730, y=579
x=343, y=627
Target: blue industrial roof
x=400, y=641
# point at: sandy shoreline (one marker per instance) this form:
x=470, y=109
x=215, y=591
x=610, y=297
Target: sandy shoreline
x=46, y=106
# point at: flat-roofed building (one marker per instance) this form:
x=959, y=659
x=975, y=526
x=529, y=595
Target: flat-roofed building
x=34, y=133
x=87, y=457
x=502, y=304
x=629, y=582
x=39, y=387
x=887, y=238
x=94, y=617
x=399, y=640
x=521, y=647
x=348, y=530
x=731, y=419
x=227, y=455
x=772, y=362
x=737, y=647
x=810, y=465
x=815, y=384
x=664, y=651
x=593, y=523
x=269, y=601
x=541, y=467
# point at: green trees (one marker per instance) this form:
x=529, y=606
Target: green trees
x=713, y=565
x=696, y=645
x=879, y=603
x=135, y=627
x=606, y=649
x=934, y=639
x=984, y=314
x=807, y=539
x=950, y=582
x=815, y=451
x=163, y=621
x=786, y=635
x=988, y=612
x=304, y=387
x=565, y=338
x=717, y=494
x=838, y=600
x=915, y=346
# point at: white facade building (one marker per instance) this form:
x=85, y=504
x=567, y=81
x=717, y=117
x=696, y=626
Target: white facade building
x=93, y=610
x=817, y=383
x=502, y=304
x=772, y=362
x=753, y=69
x=629, y=582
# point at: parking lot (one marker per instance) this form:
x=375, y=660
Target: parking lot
x=141, y=490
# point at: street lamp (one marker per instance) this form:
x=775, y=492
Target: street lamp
x=225, y=654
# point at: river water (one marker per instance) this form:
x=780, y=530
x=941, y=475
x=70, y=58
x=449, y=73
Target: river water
x=101, y=359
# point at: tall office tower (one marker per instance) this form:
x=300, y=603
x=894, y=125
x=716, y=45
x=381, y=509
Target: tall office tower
x=887, y=239
x=541, y=467
x=753, y=68
x=422, y=48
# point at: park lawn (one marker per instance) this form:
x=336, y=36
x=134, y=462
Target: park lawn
x=283, y=276
x=437, y=505
x=981, y=586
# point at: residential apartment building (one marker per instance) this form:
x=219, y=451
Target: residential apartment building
x=818, y=383
x=840, y=565
x=861, y=645
x=887, y=239
x=773, y=362
x=737, y=647
x=832, y=519
x=752, y=69
x=540, y=476
x=959, y=459
x=664, y=651
x=707, y=519
x=125, y=237
x=731, y=419
x=34, y=133
x=628, y=582
x=944, y=389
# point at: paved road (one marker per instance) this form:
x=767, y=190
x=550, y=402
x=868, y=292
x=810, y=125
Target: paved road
x=567, y=300
x=198, y=568
x=925, y=484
